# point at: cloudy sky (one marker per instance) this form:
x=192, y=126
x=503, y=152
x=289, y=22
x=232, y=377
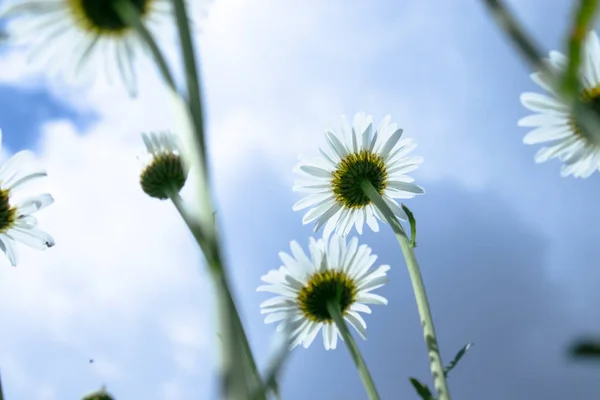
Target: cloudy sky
x=507, y=248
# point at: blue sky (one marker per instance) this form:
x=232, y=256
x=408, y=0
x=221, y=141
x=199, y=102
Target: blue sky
x=507, y=248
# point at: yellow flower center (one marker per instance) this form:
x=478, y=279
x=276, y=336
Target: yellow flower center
x=101, y=17
x=322, y=288
x=165, y=173
x=354, y=168
x=8, y=214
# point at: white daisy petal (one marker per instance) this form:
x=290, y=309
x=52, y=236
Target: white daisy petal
x=547, y=134
x=536, y=120
x=31, y=237
x=317, y=211
x=542, y=103
x=357, y=323
x=371, y=298
x=7, y=245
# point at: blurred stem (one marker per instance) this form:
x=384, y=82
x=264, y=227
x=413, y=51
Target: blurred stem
x=192, y=77
x=228, y=313
x=583, y=19
x=436, y=365
x=518, y=36
x=336, y=313
x=131, y=16
x=1, y=392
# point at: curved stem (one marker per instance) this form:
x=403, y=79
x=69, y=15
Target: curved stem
x=363, y=371
x=236, y=344
x=436, y=365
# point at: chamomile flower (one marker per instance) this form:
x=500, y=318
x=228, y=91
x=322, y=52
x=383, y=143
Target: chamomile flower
x=306, y=283
x=17, y=224
x=332, y=182
x=76, y=37
x=165, y=169
x=555, y=126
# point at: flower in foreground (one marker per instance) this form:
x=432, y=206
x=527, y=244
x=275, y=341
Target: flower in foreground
x=165, y=170
x=306, y=283
x=567, y=140
x=16, y=220
x=333, y=181
x=76, y=37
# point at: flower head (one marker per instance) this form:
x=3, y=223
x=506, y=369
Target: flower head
x=16, y=220
x=165, y=169
x=566, y=139
x=333, y=181
x=334, y=271
x=78, y=36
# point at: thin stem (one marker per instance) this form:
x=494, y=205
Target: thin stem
x=192, y=77
x=336, y=313
x=518, y=36
x=131, y=16
x=436, y=365
x=1, y=392
x=213, y=258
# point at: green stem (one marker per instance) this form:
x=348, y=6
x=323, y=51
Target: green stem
x=131, y=16
x=1, y=392
x=583, y=20
x=227, y=308
x=192, y=77
x=517, y=35
x=336, y=313
x=436, y=365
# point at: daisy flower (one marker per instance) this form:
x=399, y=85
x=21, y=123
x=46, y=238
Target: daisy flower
x=165, y=169
x=555, y=126
x=332, y=182
x=17, y=224
x=76, y=37
x=306, y=283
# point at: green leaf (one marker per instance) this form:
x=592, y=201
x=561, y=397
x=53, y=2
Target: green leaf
x=586, y=349
x=413, y=226
x=457, y=358
x=422, y=390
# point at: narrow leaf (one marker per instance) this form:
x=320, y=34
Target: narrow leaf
x=422, y=390
x=413, y=226
x=457, y=358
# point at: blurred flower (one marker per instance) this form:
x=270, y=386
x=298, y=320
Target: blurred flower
x=332, y=182
x=555, y=125
x=305, y=285
x=76, y=37
x=165, y=169
x=101, y=394
x=16, y=220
